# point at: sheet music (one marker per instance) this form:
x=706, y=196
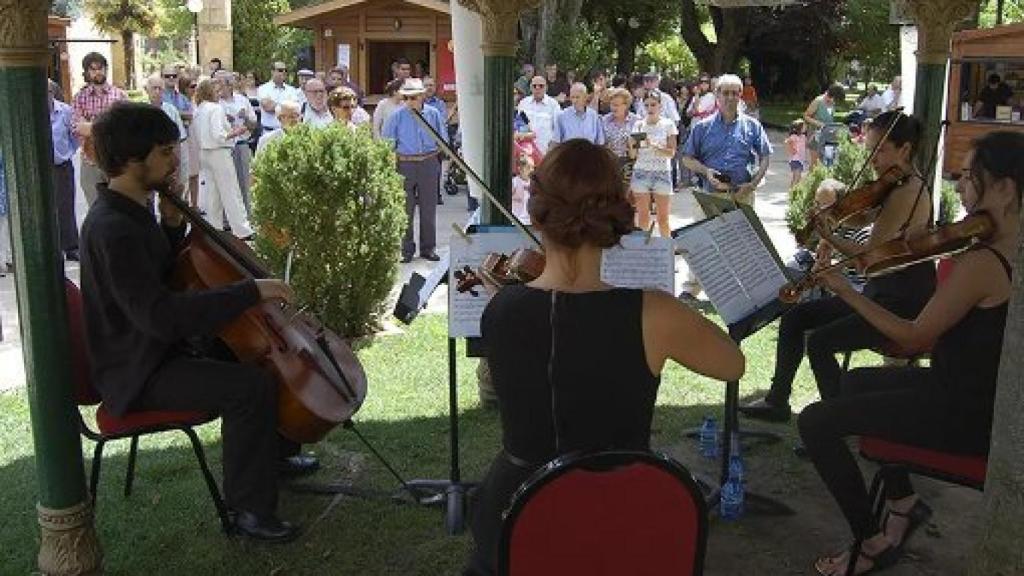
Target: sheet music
x=465, y=307
x=637, y=263
x=733, y=263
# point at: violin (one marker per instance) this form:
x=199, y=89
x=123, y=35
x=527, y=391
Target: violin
x=857, y=201
x=321, y=382
x=903, y=252
x=522, y=265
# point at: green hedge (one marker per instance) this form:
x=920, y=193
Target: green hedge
x=333, y=196
x=801, y=198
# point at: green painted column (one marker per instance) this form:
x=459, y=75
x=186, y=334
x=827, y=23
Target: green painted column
x=936, y=20
x=499, y=71
x=500, y=19
x=68, y=542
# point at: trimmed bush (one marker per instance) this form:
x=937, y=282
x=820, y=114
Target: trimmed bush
x=333, y=196
x=801, y=198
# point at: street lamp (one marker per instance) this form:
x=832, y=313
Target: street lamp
x=195, y=7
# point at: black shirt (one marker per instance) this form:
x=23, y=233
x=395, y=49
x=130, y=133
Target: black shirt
x=133, y=321
x=991, y=97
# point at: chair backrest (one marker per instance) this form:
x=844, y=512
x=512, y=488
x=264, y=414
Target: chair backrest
x=618, y=512
x=81, y=370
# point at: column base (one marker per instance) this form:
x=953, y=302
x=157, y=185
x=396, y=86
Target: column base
x=68, y=544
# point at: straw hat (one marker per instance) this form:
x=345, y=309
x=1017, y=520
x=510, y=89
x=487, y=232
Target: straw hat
x=412, y=87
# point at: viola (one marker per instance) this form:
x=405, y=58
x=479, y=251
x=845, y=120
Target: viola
x=857, y=201
x=902, y=252
x=321, y=382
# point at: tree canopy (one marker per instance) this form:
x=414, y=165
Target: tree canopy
x=124, y=18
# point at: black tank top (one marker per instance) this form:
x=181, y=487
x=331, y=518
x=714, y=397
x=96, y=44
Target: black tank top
x=603, y=391
x=965, y=360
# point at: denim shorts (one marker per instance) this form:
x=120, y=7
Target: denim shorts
x=796, y=166
x=651, y=181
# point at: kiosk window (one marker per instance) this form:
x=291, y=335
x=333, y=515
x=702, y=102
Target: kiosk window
x=991, y=91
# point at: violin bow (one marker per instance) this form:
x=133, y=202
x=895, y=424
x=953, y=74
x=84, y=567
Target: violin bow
x=874, y=150
x=472, y=174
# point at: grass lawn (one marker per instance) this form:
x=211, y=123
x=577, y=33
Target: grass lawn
x=169, y=525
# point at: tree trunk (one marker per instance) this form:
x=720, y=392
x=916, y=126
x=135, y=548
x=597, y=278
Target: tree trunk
x=528, y=29
x=553, y=13
x=731, y=26
x=128, y=43
x=998, y=551
x=625, y=48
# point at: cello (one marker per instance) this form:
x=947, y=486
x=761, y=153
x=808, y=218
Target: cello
x=320, y=381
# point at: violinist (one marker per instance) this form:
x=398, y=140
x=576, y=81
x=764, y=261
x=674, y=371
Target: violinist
x=829, y=326
x=136, y=327
x=947, y=407
x=575, y=362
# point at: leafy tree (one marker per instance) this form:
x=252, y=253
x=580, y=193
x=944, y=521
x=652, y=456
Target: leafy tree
x=66, y=8
x=581, y=47
x=669, y=55
x=258, y=42
x=124, y=18
x=1013, y=12
x=630, y=25
x=540, y=28
x=175, y=21
x=868, y=37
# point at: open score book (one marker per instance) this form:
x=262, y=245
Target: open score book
x=735, y=262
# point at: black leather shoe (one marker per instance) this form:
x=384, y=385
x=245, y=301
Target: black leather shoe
x=298, y=465
x=764, y=410
x=433, y=257
x=406, y=258
x=266, y=529
x=72, y=255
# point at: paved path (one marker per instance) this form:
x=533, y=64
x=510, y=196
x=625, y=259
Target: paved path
x=772, y=199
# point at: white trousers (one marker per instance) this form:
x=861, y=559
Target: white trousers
x=221, y=194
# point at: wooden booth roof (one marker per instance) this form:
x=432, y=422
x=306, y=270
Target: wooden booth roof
x=306, y=17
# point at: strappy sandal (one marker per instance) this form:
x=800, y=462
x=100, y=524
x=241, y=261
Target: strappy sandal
x=884, y=559
x=918, y=514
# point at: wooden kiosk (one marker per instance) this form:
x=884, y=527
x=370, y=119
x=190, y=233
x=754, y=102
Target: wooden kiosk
x=367, y=35
x=978, y=55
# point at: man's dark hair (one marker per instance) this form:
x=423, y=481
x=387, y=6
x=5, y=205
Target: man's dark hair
x=403, y=61
x=128, y=131
x=220, y=65
x=994, y=78
x=836, y=92
x=93, y=58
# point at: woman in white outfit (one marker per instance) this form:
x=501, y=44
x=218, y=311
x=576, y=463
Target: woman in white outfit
x=216, y=168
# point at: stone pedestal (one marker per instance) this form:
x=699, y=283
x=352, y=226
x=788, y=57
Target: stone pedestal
x=68, y=544
x=215, y=33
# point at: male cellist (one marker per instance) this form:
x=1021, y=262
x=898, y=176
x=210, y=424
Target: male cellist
x=136, y=327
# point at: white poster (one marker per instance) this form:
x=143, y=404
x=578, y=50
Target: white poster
x=345, y=55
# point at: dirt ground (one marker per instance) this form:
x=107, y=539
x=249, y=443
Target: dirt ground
x=784, y=545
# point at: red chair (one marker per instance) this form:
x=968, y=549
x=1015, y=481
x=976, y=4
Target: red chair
x=605, y=513
x=132, y=425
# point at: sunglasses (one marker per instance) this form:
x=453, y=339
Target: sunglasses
x=193, y=86
x=538, y=86
x=170, y=76
x=344, y=107
x=280, y=69
x=409, y=97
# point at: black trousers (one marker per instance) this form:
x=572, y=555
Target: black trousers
x=245, y=396
x=422, y=185
x=825, y=328
x=64, y=194
x=898, y=404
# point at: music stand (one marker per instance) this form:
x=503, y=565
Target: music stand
x=739, y=330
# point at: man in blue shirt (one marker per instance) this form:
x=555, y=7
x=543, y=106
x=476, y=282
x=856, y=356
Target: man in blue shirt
x=64, y=145
x=418, y=163
x=578, y=120
x=728, y=143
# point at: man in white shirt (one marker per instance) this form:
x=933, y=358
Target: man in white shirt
x=273, y=93
x=240, y=114
x=290, y=114
x=317, y=114
x=668, y=104
x=542, y=110
x=154, y=90
x=893, y=95
x=873, y=102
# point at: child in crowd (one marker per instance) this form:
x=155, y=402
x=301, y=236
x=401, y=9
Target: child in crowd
x=521, y=188
x=796, y=147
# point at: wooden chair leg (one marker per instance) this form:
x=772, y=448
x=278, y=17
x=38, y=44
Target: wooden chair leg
x=94, y=476
x=130, y=475
x=218, y=500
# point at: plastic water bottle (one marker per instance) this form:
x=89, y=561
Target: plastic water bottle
x=708, y=438
x=732, y=498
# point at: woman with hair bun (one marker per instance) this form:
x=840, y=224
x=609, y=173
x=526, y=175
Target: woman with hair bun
x=575, y=362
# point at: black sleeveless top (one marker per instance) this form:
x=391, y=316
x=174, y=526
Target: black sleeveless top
x=603, y=392
x=965, y=361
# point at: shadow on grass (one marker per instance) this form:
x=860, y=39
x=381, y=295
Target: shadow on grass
x=169, y=525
